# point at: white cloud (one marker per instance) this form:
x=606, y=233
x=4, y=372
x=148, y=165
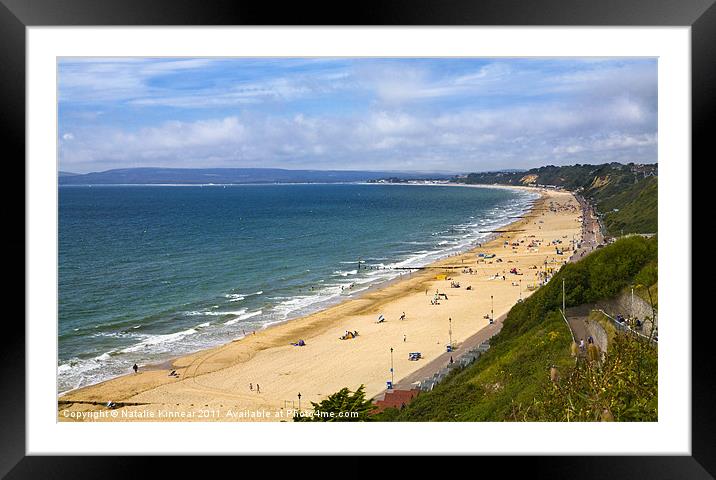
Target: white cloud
x=111, y=79
x=498, y=115
x=134, y=82
x=384, y=139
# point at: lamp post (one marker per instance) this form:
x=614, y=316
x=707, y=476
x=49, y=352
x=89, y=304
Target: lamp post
x=299, y=401
x=632, y=302
x=392, y=380
x=492, y=309
x=520, y=289
x=450, y=331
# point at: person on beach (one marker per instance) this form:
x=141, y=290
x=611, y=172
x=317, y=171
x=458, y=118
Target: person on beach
x=135, y=368
x=405, y=337
x=258, y=389
x=251, y=387
x=402, y=317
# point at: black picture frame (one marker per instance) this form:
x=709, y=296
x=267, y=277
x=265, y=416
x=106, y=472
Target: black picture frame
x=16, y=15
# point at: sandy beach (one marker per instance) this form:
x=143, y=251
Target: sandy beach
x=220, y=384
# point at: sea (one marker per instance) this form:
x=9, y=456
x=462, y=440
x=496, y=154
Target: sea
x=149, y=273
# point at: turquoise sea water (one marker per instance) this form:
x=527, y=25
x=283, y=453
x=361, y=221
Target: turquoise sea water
x=147, y=273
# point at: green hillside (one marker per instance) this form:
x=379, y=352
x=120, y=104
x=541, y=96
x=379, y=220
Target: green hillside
x=625, y=195
x=511, y=381
x=633, y=210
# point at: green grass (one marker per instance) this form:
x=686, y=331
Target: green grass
x=637, y=209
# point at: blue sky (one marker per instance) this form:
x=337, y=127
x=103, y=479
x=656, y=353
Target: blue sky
x=456, y=115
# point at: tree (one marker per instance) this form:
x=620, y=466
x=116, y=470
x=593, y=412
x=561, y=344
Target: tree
x=342, y=406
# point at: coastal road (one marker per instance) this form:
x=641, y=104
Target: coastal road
x=591, y=237
x=591, y=231
x=577, y=318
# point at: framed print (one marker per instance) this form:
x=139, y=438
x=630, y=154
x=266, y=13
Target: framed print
x=420, y=230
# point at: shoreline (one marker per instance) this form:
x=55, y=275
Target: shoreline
x=221, y=361
x=166, y=363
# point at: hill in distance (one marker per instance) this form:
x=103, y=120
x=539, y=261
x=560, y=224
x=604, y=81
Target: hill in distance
x=203, y=176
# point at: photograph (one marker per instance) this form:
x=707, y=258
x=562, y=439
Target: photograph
x=415, y=229
x=357, y=239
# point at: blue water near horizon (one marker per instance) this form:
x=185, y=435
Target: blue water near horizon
x=147, y=273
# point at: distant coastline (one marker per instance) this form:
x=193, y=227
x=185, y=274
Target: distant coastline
x=231, y=176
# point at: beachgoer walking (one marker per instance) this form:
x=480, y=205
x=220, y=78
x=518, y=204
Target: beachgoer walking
x=135, y=367
x=405, y=337
x=258, y=389
x=402, y=317
x=251, y=387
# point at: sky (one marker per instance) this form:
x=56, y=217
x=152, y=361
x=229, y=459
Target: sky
x=404, y=114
